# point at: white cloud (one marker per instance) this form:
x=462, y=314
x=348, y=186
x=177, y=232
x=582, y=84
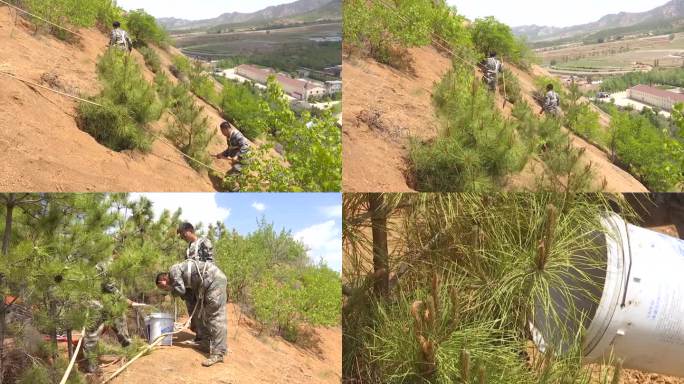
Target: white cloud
x=331, y=211
x=196, y=207
x=324, y=241
x=259, y=206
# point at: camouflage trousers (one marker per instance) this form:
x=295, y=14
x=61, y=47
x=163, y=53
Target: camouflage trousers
x=93, y=334
x=491, y=81
x=213, y=317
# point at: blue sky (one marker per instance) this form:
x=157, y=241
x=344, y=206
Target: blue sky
x=198, y=9
x=550, y=12
x=314, y=218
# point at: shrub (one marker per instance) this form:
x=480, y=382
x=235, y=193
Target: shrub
x=70, y=13
x=129, y=104
x=190, y=131
x=144, y=29
x=112, y=127
x=151, y=59
x=512, y=86
x=244, y=105
x=477, y=147
x=125, y=85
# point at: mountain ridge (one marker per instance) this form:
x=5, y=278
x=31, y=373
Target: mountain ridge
x=275, y=12
x=667, y=12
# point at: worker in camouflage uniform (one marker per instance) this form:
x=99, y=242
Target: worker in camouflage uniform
x=551, y=104
x=238, y=147
x=199, y=248
x=492, y=68
x=119, y=38
x=209, y=284
x=92, y=335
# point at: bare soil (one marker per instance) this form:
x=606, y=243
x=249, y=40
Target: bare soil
x=374, y=154
x=253, y=358
x=383, y=107
x=41, y=147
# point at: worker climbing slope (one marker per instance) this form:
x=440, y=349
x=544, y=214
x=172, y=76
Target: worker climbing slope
x=492, y=68
x=209, y=283
x=119, y=38
x=201, y=249
x=551, y=103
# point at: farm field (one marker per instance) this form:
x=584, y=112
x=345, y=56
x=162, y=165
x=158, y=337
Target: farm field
x=623, y=55
x=297, y=46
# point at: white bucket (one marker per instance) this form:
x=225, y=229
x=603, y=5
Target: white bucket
x=640, y=315
x=157, y=324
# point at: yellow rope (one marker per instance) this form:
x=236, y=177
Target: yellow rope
x=73, y=359
x=40, y=18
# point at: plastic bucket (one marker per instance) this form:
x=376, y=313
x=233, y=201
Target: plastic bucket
x=639, y=317
x=157, y=324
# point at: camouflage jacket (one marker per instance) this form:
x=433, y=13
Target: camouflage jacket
x=200, y=249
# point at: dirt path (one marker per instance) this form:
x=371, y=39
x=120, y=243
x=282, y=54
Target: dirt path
x=252, y=359
x=374, y=154
x=41, y=147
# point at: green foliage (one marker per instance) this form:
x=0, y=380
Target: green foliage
x=665, y=76
x=129, y=104
x=651, y=154
x=125, y=85
x=384, y=29
x=72, y=13
x=270, y=273
x=190, y=131
x=490, y=35
x=152, y=59
x=144, y=29
x=112, y=126
x=512, y=86
x=475, y=271
x=244, y=105
x=478, y=147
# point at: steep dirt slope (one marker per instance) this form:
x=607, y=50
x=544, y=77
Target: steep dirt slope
x=382, y=108
x=252, y=359
x=42, y=148
x=616, y=179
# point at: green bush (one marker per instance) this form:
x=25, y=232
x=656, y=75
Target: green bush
x=244, y=105
x=125, y=85
x=129, y=104
x=190, y=131
x=152, y=59
x=512, y=86
x=653, y=155
x=144, y=29
x=72, y=13
x=112, y=126
x=477, y=148
x=384, y=30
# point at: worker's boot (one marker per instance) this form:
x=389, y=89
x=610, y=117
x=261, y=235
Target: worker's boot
x=92, y=366
x=213, y=359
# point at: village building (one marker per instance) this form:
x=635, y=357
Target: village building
x=655, y=97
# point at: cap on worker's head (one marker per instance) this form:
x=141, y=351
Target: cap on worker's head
x=549, y=87
x=185, y=226
x=492, y=54
x=117, y=24
x=225, y=125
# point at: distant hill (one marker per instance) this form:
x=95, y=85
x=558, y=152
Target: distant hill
x=667, y=15
x=298, y=11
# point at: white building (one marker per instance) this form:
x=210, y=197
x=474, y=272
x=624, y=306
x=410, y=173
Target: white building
x=299, y=89
x=655, y=97
x=333, y=87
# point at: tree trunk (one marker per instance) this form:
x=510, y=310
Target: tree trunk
x=8, y=224
x=379, y=228
x=70, y=343
x=53, y=329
